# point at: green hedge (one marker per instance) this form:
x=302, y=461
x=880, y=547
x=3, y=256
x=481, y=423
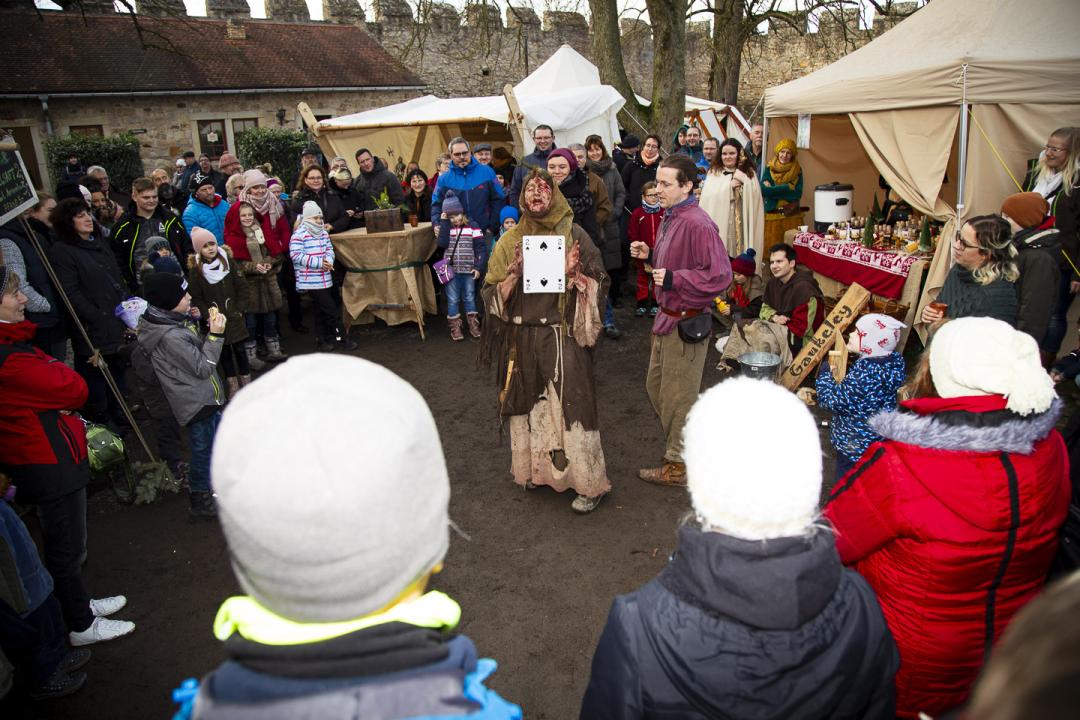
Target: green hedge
x=277, y=146
x=119, y=154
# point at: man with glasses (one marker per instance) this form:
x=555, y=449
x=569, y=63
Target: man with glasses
x=102, y=176
x=475, y=185
x=544, y=140
x=693, y=143
x=689, y=267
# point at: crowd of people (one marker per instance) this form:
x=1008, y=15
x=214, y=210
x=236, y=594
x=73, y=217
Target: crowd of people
x=952, y=484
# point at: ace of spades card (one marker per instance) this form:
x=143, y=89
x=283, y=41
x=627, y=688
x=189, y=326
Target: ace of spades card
x=544, y=263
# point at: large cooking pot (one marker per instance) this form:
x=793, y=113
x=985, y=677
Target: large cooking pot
x=833, y=203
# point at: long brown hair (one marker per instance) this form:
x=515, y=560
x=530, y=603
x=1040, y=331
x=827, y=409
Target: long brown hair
x=920, y=384
x=300, y=186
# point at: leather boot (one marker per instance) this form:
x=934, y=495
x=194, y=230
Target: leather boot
x=245, y=380
x=273, y=350
x=474, y=324
x=455, y=328
x=250, y=349
x=670, y=474
x=232, y=385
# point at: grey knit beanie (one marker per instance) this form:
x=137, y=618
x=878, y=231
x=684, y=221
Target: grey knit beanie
x=331, y=488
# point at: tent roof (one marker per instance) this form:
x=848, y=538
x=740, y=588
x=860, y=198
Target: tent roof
x=564, y=92
x=1017, y=51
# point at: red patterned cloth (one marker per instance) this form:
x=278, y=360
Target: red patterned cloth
x=880, y=271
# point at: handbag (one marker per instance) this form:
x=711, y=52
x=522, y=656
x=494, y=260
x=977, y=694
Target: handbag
x=444, y=269
x=696, y=328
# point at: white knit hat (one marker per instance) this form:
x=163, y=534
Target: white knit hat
x=311, y=209
x=331, y=488
x=753, y=460
x=984, y=356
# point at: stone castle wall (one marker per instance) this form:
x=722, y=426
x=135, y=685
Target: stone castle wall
x=478, y=53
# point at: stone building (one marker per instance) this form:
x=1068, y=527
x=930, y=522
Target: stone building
x=189, y=83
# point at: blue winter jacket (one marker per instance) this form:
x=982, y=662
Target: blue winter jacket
x=35, y=579
x=868, y=388
x=479, y=191
x=199, y=214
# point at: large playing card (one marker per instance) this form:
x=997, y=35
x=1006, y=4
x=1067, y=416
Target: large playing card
x=544, y=263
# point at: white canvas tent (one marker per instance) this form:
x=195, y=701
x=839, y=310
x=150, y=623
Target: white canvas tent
x=716, y=119
x=948, y=91
x=565, y=92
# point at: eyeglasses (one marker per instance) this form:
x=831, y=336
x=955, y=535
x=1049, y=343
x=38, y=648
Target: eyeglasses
x=460, y=154
x=652, y=195
x=1052, y=149
x=959, y=240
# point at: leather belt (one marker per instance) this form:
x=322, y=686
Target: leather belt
x=681, y=313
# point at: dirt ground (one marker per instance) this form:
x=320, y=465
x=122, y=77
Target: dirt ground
x=535, y=581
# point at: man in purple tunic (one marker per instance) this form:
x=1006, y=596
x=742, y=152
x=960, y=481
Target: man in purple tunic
x=690, y=267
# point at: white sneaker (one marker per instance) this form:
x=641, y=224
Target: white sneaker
x=100, y=630
x=104, y=607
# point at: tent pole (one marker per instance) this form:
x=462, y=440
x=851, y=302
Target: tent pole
x=764, y=144
x=962, y=170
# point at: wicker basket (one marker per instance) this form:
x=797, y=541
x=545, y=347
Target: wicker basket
x=377, y=221
x=884, y=306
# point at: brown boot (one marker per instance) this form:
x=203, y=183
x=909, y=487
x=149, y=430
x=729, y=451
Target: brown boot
x=455, y=328
x=232, y=385
x=474, y=324
x=671, y=474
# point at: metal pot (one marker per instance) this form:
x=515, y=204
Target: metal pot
x=833, y=203
x=760, y=365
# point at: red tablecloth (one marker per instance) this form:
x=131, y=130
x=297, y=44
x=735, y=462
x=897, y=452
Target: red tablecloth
x=880, y=271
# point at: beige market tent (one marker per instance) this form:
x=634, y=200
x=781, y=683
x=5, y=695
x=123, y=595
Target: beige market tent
x=965, y=88
x=565, y=92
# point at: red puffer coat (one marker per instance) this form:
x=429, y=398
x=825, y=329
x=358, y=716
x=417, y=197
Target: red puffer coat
x=43, y=449
x=953, y=520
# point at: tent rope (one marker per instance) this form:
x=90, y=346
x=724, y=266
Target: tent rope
x=971, y=112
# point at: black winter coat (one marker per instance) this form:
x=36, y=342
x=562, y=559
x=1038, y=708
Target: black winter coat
x=36, y=274
x=419, y=206
x=370, y=185
x=745, y=630
x=576, y=191
x=88, y=273
x=333, y=211
x=351, y=199
x=1066, y=212
x=1037, y=287
x=634, y=176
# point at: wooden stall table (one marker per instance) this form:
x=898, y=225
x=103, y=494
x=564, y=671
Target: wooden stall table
x=889, y=274
x=386, y=275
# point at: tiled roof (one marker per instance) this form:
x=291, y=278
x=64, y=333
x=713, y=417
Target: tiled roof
x=63, y=52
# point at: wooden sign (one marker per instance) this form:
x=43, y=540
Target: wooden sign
x=16, y=188
x=846, y=312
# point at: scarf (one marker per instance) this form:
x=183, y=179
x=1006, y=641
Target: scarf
x=646, y=164
x=600, y=167
x=739, y=295
x=558, y=220
x=216, y=270
x=785, y=173
x=651, y=208
x=315, y=228
x=268, y=206
x=254, y=233
x=575, y=189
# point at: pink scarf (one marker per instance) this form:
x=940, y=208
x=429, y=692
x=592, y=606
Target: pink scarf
x=269, y=205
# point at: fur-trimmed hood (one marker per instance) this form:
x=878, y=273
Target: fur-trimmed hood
x=976, y=424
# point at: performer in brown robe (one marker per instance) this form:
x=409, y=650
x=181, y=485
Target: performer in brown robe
x=543, y=345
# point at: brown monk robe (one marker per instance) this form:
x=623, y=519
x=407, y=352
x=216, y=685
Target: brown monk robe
x=543, y=346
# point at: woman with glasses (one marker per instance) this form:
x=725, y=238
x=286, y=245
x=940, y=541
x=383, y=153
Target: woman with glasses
x=981, y=282
x=1055, y=175
x=90, y=277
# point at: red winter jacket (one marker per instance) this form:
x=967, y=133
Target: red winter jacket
x=276, y=236
x=953, y=520
x=43, y=450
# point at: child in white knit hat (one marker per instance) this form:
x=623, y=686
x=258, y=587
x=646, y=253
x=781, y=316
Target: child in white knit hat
x=312, y=256
x=868, y=388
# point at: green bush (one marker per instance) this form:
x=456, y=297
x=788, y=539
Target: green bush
x=118, y=154
x=277, y=146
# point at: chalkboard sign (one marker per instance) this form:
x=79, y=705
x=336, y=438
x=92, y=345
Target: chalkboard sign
x=16, y=189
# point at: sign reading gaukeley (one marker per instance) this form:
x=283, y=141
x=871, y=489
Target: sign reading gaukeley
x=846, y=312
x=16, y=188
